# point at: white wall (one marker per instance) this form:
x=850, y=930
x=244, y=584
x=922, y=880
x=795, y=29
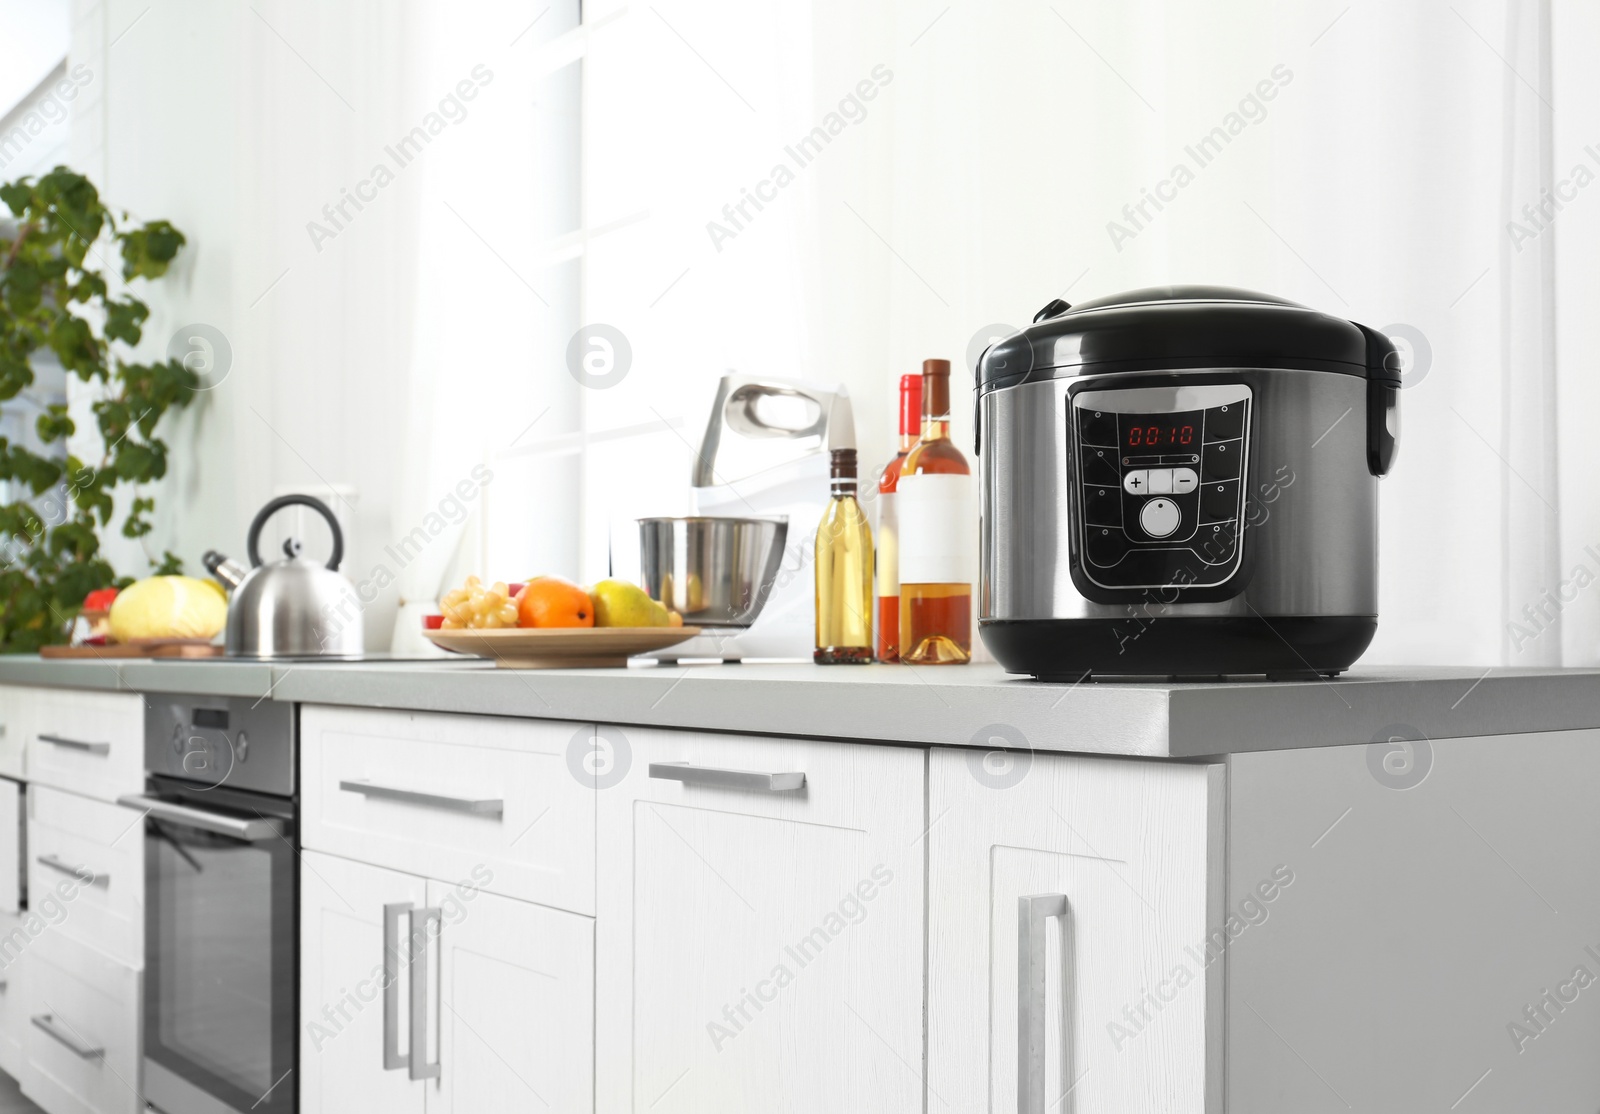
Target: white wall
x=209, y=119
x=36, y=38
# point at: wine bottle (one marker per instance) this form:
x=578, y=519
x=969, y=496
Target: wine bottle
x=887, y=533
x=937, y=535
x=844, y=571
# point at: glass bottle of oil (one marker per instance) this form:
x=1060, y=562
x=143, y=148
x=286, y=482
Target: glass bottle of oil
x=844, y=571
x=938, y=535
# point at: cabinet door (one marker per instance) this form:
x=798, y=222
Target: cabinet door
x=1069, y=902
x=13, y=997
x=513, y=1012
x=13, y=730
x=13, y=845
x=342, y=991
x=759, y=948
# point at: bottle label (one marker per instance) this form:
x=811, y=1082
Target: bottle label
x=888, y=549
x=938, y=529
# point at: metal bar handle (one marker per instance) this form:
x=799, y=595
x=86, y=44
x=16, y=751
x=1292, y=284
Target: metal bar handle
x=78, y=872
x=393, y=1059
x=1032, y=913
x=75, y=744
x=485, y=806
x=420, y=1067
x=47, y=1023
x=255, y=829
x=727, y=779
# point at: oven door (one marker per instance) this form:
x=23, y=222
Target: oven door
x=220, y=952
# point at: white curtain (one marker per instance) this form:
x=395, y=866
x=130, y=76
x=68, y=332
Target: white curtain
x=1379, y=153
x=1007, y=155
x=469, y=387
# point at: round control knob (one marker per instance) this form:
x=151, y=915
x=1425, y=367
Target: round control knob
x=1159, y=517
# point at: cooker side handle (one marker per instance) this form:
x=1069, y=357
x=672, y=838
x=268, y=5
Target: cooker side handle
x=1383, y=401
x=1383, y=426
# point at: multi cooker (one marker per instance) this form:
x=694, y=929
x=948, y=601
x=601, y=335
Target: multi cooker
x=1183, y=481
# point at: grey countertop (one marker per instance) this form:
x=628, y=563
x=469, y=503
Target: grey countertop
x=973, y=705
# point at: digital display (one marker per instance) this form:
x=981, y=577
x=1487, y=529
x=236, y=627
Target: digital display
x=211, y=717
x=1160, y=434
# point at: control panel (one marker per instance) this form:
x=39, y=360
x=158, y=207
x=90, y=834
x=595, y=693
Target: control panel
x=1161, y=483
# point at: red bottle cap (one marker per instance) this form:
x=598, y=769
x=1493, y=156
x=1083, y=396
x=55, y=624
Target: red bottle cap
x=910, y=405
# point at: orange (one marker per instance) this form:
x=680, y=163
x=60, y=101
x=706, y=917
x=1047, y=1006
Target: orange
x=550, y=601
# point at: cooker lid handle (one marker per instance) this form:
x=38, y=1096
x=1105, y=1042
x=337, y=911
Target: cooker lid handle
x=1055, y=309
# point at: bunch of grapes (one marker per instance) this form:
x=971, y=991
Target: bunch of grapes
x=476, y=607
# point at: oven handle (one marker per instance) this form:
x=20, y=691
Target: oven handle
x=255, y=830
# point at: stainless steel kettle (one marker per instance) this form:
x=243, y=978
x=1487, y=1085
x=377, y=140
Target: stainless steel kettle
x=292, y=608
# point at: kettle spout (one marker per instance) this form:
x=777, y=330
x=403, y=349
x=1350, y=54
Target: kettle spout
x=230, y=574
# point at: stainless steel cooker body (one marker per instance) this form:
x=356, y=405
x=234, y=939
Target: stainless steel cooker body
x=1285, y=527
x=1182, y=521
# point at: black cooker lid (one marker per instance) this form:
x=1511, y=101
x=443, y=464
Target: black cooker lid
x=1178, y=327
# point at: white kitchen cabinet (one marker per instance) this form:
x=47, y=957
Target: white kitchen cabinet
x=443, y=795
x=1442, y=895
x=82, y=1036
x=514, y=1009
x=759, y=947
x=1069, y=902
x=14, y=705
x=13, y=845
x=507, y=993
x=342, y=994
x=13, y=1008
x=89, y=856
x=91, y=743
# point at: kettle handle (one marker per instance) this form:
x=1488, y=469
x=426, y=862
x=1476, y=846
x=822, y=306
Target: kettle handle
x=253, y=542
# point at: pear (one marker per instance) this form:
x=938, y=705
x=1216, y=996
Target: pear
x=620, y=604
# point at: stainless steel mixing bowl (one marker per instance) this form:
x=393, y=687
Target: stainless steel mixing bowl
x=716, y=572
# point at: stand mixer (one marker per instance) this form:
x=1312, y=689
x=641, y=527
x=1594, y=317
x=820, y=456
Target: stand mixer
x=741, y=565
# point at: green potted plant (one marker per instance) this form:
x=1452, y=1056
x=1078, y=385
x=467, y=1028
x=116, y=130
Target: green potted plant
x=55, y=298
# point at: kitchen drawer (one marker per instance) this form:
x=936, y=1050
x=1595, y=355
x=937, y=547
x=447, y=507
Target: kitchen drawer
x=14, y=705
x=85, y=742
x=89, y=857
x=13, y=1011
x=453, y=798
x=82, y=1035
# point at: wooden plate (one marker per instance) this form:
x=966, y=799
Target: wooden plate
x=560, y=647
x=139, y=648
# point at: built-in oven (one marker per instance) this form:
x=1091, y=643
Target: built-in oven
x=221, y=906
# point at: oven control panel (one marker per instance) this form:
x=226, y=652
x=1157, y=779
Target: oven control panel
x=1161, y=484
